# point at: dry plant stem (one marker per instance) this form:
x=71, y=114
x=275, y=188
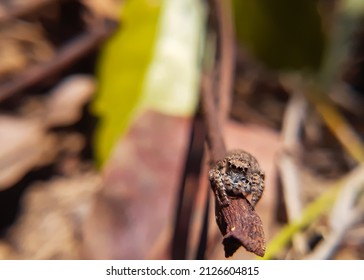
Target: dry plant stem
x=289, y=173
x=188, y=190
x=202, y=248
x=225, y=71
x=238, y=222
x=288, y=169
x=214, y=136
x=227, y=56
x=67, y=55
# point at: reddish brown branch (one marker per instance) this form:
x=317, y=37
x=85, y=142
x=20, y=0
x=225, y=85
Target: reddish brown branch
x=188, y=190
x=226, y=66
x=67, y=55
x=238, y=222
x=227, y=56
x=214, y=136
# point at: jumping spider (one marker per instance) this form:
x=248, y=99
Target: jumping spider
x=237, y=174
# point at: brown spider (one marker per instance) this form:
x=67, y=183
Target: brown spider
x=237, y=174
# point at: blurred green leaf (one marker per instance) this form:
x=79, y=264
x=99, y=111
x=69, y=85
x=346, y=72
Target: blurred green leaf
x=121, y=71
x=283, y=34
x=152, y=62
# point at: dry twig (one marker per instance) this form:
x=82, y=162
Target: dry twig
x=238, y=222
x=67, y=55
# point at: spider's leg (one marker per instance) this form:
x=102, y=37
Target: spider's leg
x=216, y=179
x=257, y=193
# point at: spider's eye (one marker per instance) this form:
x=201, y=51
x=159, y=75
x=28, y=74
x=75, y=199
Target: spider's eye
x=237, y=168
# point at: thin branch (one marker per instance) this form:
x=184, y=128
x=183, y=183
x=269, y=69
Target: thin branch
x=201, y=251
x=288, y=169
x=222, y=14
x=225, y=37
x=188, y=190
x=65, y=57
x=227, y=56
x=238, y=222
x=214, y=136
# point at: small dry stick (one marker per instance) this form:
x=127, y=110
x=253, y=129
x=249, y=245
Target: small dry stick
x=237, y=220
x=67, y=55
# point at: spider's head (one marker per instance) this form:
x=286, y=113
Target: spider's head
x=238, y=166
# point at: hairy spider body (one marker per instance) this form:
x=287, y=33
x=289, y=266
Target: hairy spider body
x=237, y=174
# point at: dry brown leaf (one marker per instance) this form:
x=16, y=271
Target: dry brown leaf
x=140, y=185
x=240, y=226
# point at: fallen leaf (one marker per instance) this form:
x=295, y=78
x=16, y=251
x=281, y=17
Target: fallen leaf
x=140, y=184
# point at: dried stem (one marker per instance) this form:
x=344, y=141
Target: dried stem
x=214, y=136
x=67, y=55
x=288, y=169
x=188, y=190
x=227, y=56
x=238, y=222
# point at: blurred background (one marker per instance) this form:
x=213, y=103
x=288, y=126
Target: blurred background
x=102, y=132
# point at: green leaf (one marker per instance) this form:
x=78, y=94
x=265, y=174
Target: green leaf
x=121, y=71
x=152, y=62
